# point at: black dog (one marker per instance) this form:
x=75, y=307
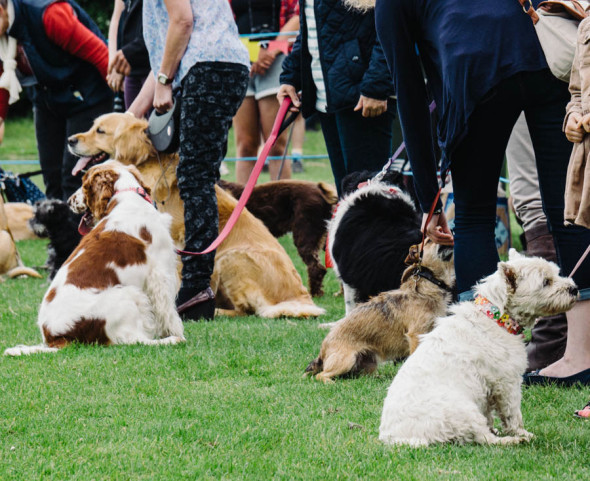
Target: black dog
x=370, y=235
x=53, y=219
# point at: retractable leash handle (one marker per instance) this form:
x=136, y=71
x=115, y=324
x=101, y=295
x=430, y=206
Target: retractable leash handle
x=279, y=126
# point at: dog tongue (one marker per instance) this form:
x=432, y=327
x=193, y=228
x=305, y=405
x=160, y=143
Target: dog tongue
x=85, y=224
x=82, y=162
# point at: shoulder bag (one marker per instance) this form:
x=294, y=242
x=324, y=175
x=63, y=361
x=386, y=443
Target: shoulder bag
x=556, y=23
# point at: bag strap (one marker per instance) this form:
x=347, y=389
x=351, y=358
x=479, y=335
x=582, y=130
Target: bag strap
x=571, y=7
x=530, y=11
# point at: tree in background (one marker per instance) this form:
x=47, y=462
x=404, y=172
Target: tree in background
x=99, y=11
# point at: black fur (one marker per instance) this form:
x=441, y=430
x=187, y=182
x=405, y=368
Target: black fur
x=54, y=219
x=373, y=238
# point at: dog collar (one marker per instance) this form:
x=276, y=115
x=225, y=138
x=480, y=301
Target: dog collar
x=493, y=312
x=425, y=273
x=140, y=191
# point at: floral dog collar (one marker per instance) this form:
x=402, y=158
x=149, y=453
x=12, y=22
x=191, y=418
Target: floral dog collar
x=493, y=312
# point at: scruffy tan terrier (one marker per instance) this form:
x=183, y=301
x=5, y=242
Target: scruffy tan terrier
x=388, y=326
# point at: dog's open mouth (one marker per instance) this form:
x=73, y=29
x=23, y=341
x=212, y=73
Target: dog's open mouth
x=85, y=162
x=86, y=223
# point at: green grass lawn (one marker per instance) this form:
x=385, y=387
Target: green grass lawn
x=231, y=403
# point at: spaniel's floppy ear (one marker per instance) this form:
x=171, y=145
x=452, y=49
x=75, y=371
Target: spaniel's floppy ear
x=135, y=171
x=99, y=188
x=413, y=255
x=131, y=143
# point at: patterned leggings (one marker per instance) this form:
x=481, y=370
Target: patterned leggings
x=211, y=95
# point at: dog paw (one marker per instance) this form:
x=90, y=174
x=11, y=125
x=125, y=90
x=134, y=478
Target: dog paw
x=524, y=435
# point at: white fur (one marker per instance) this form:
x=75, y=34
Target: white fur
x=140, y=309
x=372, y=188
x=468, y=367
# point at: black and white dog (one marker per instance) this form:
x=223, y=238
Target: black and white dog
x=53, y=219
x=369, y=236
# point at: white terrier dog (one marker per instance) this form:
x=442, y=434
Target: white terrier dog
x=472, y=363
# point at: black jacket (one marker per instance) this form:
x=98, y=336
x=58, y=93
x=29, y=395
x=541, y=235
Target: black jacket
x=351, y=57
x=130, y=39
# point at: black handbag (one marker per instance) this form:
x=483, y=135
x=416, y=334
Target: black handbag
x=19, y=187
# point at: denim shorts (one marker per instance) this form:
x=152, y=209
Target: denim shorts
x=261, y=86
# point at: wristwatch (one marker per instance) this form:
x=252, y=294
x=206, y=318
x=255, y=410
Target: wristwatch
x=163, y=79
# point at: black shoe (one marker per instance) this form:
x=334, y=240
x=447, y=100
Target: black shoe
x=198, y=307
x=583, y=378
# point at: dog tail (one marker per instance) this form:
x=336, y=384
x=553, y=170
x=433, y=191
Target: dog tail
x=21, y=350
x=23, y=271
x=315, y=366
x=291, y=309
x=328, y=193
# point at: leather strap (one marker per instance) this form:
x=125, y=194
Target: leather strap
x=277, y=128
x=527, y=7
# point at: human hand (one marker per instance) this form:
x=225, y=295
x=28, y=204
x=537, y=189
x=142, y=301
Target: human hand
x=163, y=100
x=438, y=230
x=257, y=69
x=115, y=81
x=1, y=129
x=371, y=107
x=573, y=128
x=289, y=91
x=584, y=123
x=267, y=57
x=119, y=63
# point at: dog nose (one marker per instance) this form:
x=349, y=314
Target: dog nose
x=573, y=290
x=72, y=140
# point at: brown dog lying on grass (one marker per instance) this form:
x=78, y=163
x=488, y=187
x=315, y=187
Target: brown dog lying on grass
x=388, y=326
x=253, y=274
x=298, y=206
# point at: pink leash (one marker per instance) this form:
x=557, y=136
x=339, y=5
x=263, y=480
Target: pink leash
x=278, y=127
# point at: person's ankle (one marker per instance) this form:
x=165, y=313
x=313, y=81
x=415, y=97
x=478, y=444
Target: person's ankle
x=194, y=304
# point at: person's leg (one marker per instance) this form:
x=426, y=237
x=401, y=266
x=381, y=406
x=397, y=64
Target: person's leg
x=247, y=135
x=297, y=140
x=475, y=166
x=334, y=148
x=549, y=335
x=366, y=142
x=50, y=130
x=545, y=116
x=76, y=123
x=268, y=108
x=211, y=95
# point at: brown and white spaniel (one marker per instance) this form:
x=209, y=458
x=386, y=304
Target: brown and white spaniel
x=118, y=286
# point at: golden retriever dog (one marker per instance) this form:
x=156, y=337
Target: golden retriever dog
x=253, y=274
x=389, y=325
x=19, y=214
x=298, y=206
x=10, y=261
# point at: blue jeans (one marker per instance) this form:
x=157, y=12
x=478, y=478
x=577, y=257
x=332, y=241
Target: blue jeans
x=476, y=165
x=356, y=143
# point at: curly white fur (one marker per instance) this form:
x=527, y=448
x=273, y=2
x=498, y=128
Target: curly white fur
x=468, y=367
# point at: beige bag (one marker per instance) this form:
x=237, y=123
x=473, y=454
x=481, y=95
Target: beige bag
x=556, y=23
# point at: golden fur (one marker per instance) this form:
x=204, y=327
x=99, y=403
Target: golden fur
x=253, y=274
x=10, y=261
x=388, y=326
x=19, y=214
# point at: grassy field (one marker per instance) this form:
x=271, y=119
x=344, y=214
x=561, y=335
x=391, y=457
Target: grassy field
x=231, y=403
